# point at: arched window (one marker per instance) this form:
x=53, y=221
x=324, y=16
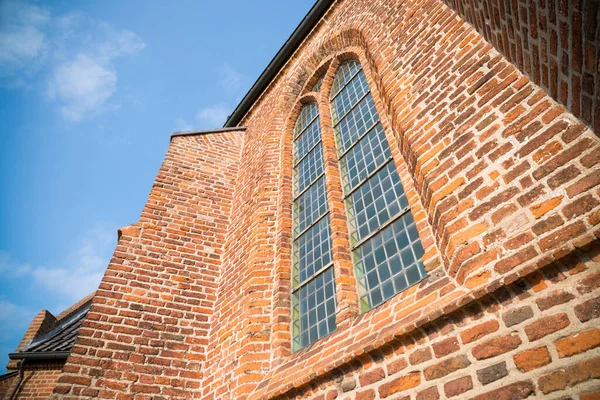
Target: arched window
x=385, y=245
x=313, y=285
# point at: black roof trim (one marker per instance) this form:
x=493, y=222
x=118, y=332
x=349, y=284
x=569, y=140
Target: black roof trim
x=207, y=131
x=288, y=48
x=8, y=375
x=46, y=355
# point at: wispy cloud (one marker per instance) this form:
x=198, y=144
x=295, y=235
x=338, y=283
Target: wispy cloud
x=78, y=52
x=78, y=276
x=214, y=116
x=23, y=43
x=230, y=79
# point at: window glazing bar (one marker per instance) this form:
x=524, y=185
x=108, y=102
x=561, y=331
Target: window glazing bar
x=359, y=139
x=311, y=225
x=306, y=127
x=366, y=178
x=307, y=153
x=382, y=227
x=352, y=108
x=313, y=276
x=309, y=185
x=347, y=83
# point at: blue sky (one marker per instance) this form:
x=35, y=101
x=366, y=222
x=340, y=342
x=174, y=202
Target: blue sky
x=89, y=94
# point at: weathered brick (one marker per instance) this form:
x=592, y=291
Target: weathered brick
x=588, y=310
x=419, y=356
x=479, y=331
x=529, y=360
x=446, y=367
x=445, y=347
x=428, y=394
x=517, y=315
x=458, y=386
x=400, y=384
x=492, y=373
x=369, y=377
x=513, y=391
x=554, y=298
x=496, y=346
x=569, y=376
x=578, y=343
x=546, y=325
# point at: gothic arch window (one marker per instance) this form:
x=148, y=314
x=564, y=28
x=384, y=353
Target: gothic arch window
x=313, y=284
x=385, y=245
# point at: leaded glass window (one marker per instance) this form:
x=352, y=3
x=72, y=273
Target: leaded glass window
x=313, y=284
x=385, y=245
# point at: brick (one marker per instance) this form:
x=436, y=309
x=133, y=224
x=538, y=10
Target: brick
x=492, y=373
x=540, y=209
x=400, y=384
x=580, y=206
x=369, y=377
x=495, y=347
x=396, y=366
x=479, y=331
x=517, y=315
x=546, y=325
x=428, y=394
x=588, y=310
x=555, y=298
x=446, y=367
x=513, y=391
x=419, y=356
x=458, y=386
x=529, y=360
x=366, y=395
x=570, y=376
x=561, y=236
x=445, y=347
x=585, y=183
x=582, y=341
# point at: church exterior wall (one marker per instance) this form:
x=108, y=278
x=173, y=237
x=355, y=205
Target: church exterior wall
x=503, y=183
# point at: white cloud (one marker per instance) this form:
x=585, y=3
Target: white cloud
x=80, y=274
x=23, y=43
x=82, y=86
x=10, y=268
x=78, y=52
x=229, y=78
x=214, y=115
x=85, y=267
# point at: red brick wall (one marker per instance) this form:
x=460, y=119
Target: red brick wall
x=555, y=42
x=39, y=380
x=146, y=331
x=503, y=183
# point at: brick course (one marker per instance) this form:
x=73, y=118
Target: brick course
x=500, y=178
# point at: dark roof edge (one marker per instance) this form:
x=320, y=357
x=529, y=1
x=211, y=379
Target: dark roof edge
x=46, y=355
x=8, y=375
x=207, y=131
x=288, y=48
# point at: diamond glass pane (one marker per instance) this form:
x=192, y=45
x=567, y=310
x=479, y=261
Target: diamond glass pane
x=346, y=71
x=389, y=262
x=312, y=251
x=349, y=96
x=310, y=206
x=308, y=169
x=364, y=158
x=307, y=140
x=313, y=310
x=307, y=114
x=375, y=202
x=355, y=124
